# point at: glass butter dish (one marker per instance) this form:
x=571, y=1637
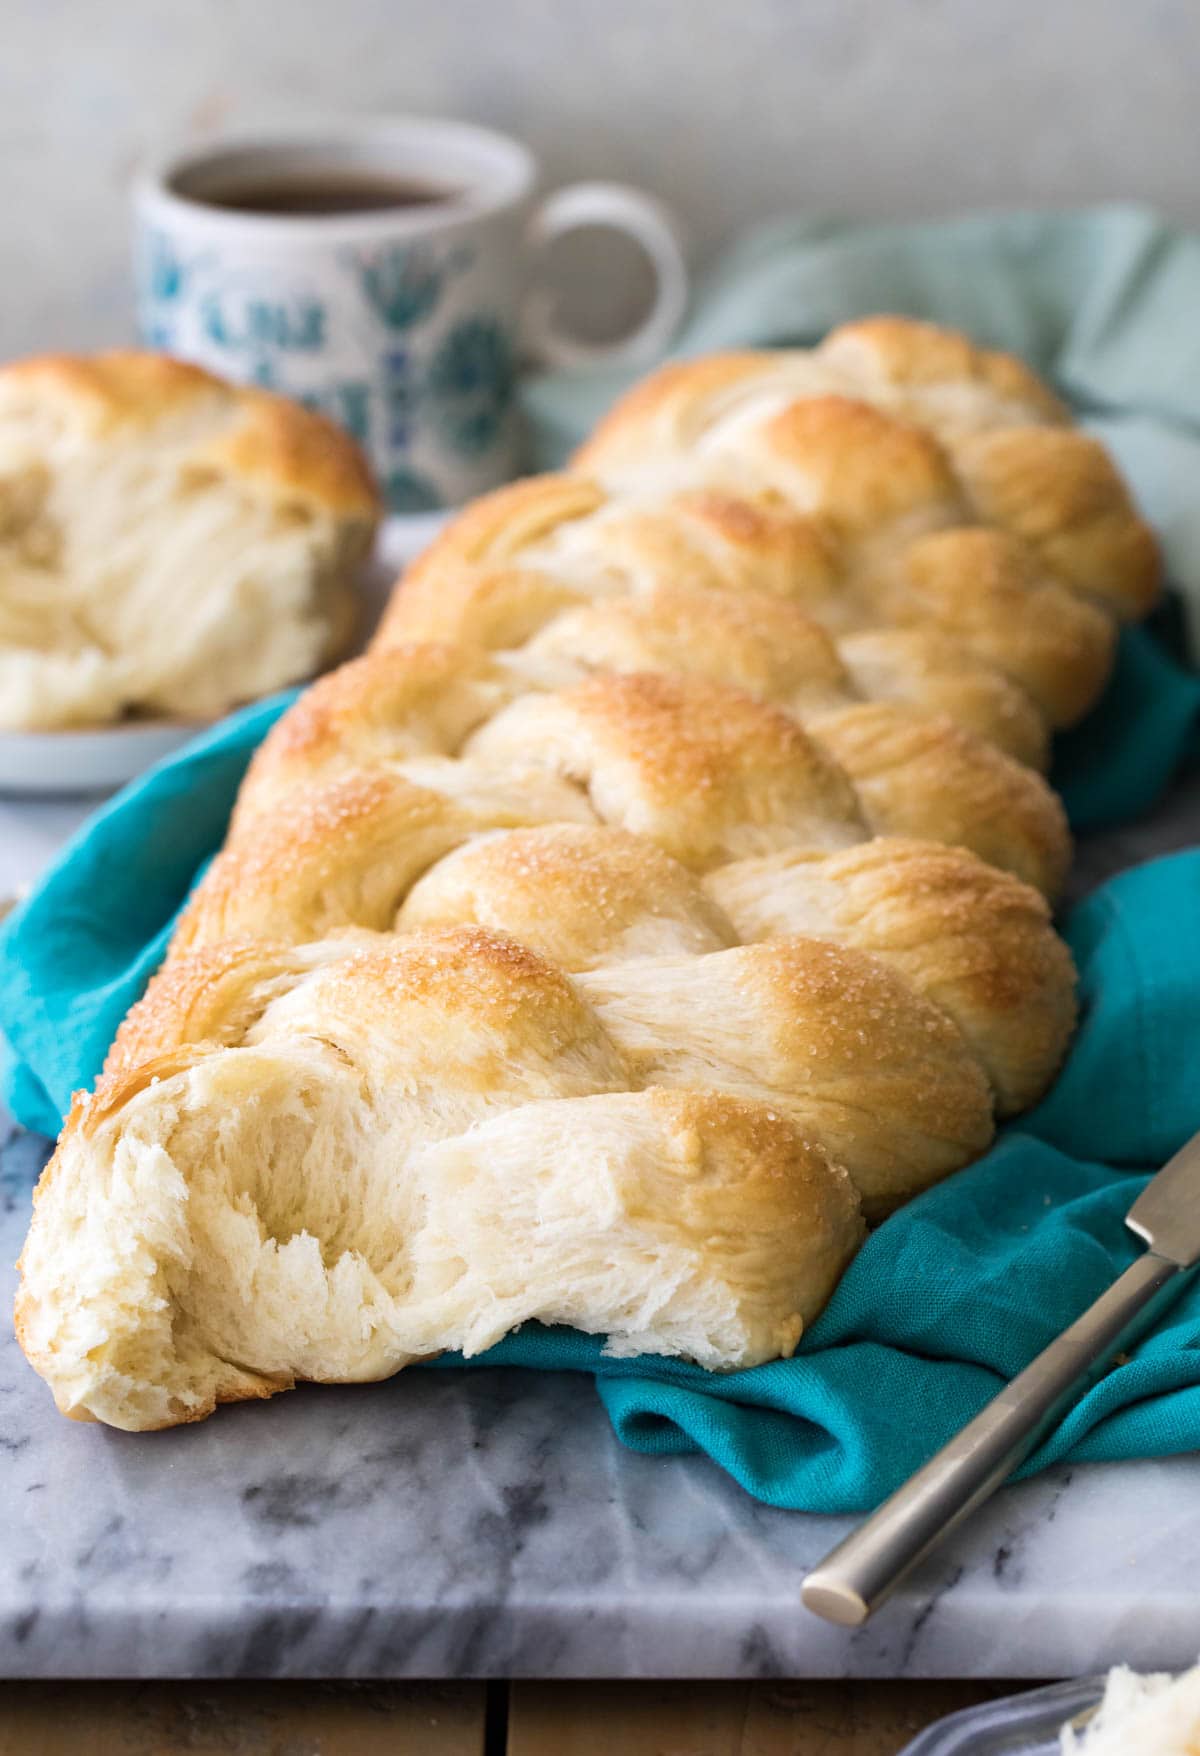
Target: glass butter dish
x=1014, y=1725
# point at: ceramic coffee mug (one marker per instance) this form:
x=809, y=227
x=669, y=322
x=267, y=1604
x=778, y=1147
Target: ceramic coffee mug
x=403, y=321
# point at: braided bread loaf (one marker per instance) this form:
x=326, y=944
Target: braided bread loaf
x=663, y=892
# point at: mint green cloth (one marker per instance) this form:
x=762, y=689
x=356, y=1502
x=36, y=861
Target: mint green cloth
x=1105, y=302
x=959, y=1290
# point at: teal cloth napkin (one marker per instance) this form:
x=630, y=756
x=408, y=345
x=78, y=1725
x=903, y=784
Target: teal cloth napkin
x=958, y=1290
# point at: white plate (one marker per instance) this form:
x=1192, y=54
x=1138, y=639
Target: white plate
x=83, y=760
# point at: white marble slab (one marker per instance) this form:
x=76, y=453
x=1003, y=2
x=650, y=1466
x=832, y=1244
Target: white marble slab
x=487, y=1523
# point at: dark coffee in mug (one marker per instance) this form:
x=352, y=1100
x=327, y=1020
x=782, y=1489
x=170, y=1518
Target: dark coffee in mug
x=316, y=192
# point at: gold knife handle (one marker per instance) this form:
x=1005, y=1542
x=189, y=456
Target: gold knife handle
x=858, y=1575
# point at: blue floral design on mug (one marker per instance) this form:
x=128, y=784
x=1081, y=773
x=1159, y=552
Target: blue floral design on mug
x=162, y=278
x=470, y=384
x=400, y=395
x=163, y=272
x=402, y=285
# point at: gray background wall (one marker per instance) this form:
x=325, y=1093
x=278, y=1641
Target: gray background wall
x=732, y=109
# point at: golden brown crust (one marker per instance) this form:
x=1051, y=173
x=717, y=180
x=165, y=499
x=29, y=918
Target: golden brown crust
x=269, y=440
x=760, y=644
x=488, y=980
x=192, y=998
x=779, y=549
x=296, y=452
x=477, y=606
x=974, y=940
x=773, y=1160
x=929, y=669
x=707, y=758
x=987, y=590
x=948, y=1099
x=842, y=1044
x=338, y=855
x=710, y=540
x=1059, y=491
x=954, y=790
x=213, y=995
x=615, y=896
x=394, y=702
x=864, y=470
x=122, y=385
x=904, y=351
x=656, y=411
x=499, y=525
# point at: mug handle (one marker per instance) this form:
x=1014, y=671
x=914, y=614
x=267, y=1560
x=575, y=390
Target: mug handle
x=652, y=226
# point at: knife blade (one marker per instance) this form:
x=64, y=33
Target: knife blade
x=1167, y=1212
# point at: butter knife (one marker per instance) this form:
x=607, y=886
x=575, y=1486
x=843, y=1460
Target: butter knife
x=855, y=1577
